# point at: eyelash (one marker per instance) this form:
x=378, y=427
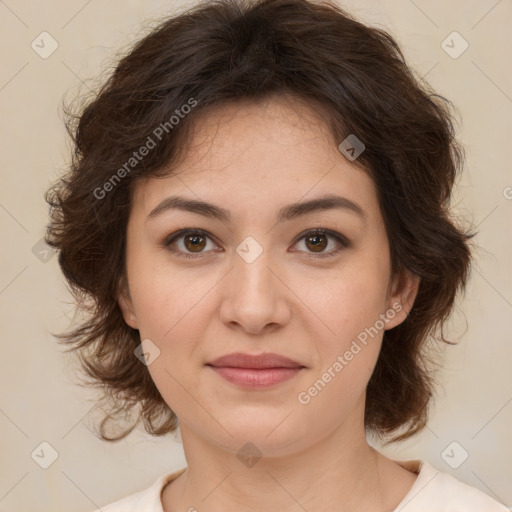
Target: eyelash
x=168, y=242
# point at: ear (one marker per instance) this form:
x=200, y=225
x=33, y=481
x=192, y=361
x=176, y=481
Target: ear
x=124, y=300
x=401, y=296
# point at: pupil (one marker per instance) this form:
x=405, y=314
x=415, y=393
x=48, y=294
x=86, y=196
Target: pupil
x=315, y=241
x=195, y=240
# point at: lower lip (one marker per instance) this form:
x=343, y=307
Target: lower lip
x=255, y=378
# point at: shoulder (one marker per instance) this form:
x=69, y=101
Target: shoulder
x=436, y=490
x=148, y=499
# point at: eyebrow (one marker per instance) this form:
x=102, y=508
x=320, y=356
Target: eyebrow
x=288, y=212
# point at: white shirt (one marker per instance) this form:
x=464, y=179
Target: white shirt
x=432, y=491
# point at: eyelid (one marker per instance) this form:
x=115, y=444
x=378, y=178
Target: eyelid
x=324, y=231
x=168, y=241
x=344, y=242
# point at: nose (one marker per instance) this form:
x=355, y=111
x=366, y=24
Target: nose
x=255, y=298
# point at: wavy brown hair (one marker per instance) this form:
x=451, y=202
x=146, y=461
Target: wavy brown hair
x=226, y=51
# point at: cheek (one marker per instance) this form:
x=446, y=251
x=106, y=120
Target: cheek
x=163, y=295
x=171, y=308
x=350, y=308
x=349, y=304
x=347, y=300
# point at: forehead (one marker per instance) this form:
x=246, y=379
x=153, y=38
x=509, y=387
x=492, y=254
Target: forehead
x=258, y=156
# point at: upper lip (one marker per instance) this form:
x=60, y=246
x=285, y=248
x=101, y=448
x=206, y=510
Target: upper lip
x=241, y=360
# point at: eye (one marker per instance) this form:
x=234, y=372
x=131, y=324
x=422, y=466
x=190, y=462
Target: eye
x=190, y=243
x=317, y=240
x=193, y=240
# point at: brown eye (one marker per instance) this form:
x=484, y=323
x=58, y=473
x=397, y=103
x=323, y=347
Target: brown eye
x=194, y=243
x=316, y=241
x=189, y=243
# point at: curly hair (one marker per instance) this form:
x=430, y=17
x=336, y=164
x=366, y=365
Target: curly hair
x=232, y=50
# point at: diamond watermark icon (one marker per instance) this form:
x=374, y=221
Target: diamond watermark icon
x=454, y=455
x=147, y=352
x=352, y=147
x=249, y=454
x=44, y=45
x=44, y=455
x=249, y=249
x=454, y=45
x=42, y=251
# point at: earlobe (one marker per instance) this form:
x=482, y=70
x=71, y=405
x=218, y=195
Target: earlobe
x=126, y=305
x=401, y=300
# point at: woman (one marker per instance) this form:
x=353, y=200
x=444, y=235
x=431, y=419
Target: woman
x=256, y=217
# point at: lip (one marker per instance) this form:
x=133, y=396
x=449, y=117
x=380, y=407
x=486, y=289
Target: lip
x=255, y=371
x=261, y=361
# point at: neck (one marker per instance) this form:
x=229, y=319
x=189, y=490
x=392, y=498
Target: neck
x=339, y=472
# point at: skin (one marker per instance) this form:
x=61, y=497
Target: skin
x=252, y=159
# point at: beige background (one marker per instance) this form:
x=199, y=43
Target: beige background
x=39, y=401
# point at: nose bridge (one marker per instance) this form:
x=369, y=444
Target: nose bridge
x=254, y=295
x=252, y=275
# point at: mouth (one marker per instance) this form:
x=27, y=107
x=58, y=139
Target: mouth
x=253, y=378
x=255, y=371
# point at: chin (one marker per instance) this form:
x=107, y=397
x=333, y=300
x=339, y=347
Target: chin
x=270, y=436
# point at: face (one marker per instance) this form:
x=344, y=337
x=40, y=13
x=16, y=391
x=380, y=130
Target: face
x=255, y=276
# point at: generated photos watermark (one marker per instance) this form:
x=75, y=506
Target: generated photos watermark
x=304, y=397
x=151, y=141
